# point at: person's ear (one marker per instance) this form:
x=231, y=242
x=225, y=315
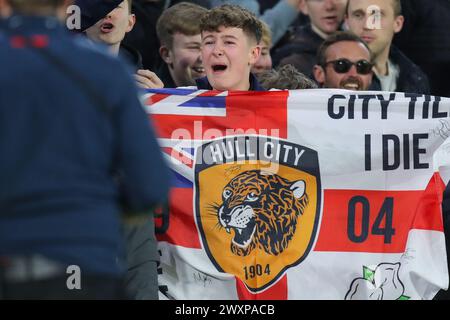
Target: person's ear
x=131, y=22
x=303, y=7
x=166, y=55
x=319, y=74
x=398, y=23
x=255, y=53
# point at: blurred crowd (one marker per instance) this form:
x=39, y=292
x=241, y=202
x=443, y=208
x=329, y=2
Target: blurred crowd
x=408, y=42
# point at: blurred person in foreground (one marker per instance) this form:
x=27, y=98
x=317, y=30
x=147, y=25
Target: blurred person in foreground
x=80, y=152
x=344, y=62
x=108, y=28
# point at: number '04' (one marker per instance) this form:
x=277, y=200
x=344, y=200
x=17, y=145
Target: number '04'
x=384, y=215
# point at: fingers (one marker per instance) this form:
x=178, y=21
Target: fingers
x=148, y=80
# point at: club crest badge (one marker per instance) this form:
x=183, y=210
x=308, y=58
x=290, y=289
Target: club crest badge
x=257, y=202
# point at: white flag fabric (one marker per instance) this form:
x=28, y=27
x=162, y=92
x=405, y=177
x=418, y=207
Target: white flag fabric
x=303, y=194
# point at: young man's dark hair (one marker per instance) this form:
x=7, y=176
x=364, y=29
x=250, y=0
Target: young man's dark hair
x=183, y=17
x=231, y=16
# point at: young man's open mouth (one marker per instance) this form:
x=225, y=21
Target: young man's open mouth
x=219, y=68
x=106, y=27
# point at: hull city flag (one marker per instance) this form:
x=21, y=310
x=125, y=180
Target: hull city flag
x=303, y=194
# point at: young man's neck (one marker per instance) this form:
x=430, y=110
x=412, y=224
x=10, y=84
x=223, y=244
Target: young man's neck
x=316, y=30
x=174, y=78
x=240, y=87
x=114, y=49
x=245, y=87
x=381, y=62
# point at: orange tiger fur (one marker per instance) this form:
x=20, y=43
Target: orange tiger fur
x=275, y=212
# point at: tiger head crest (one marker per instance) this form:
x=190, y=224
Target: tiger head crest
x=262, y=210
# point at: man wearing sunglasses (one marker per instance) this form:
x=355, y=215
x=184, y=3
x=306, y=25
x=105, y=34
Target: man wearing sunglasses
x=344, y=61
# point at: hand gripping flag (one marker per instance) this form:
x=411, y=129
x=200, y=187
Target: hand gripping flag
x=313, y=194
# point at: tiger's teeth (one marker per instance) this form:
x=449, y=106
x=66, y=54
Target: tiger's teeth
x=228, y=230
x=240, y=231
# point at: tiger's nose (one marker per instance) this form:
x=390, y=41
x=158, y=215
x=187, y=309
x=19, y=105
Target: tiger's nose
x=226, y=218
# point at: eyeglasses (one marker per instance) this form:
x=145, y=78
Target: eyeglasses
x=344, y=65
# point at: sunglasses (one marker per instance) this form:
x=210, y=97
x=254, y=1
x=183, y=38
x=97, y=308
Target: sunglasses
x=344, y=65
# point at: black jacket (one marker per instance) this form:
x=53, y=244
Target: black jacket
x=301, y=51
x=425, y=38
x=411, y=78
x=143, y=36
x=164, y=74
x=131, y=56
x=442, y=294
x=90, y=138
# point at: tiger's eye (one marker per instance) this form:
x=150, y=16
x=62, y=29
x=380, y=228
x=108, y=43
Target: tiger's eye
x=252, y=196
x=226, y=193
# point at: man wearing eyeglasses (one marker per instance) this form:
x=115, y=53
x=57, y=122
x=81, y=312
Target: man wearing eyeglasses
x=344, y=61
